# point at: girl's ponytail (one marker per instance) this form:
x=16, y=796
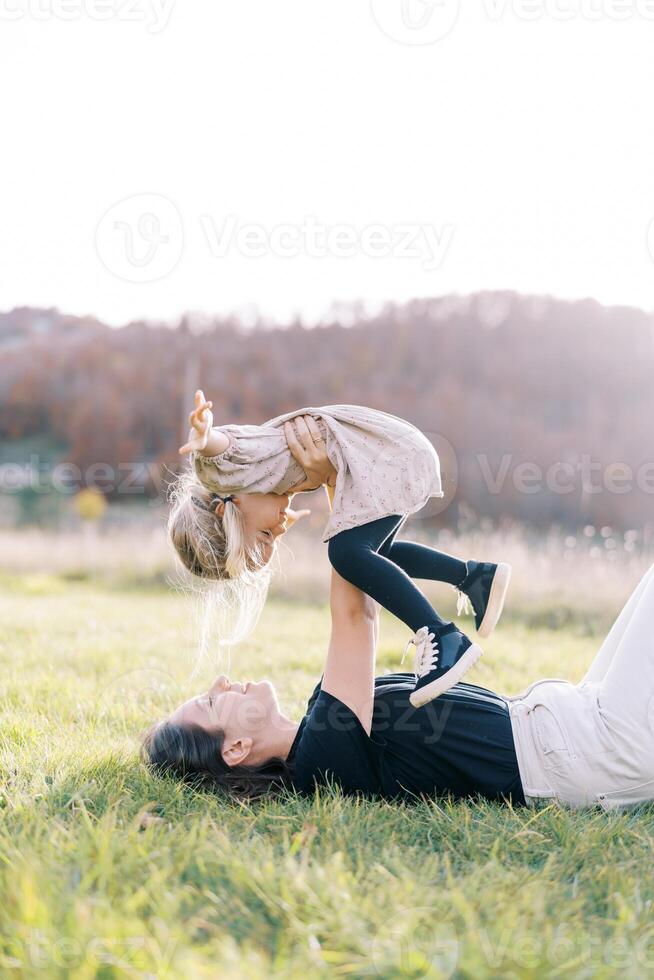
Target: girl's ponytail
x=207, y=545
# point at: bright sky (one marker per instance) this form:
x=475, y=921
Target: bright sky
x=201, y=155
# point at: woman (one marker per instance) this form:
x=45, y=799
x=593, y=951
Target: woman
x=359, y=730
x=580, y=745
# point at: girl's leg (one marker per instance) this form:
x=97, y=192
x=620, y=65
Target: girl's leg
x=356, y=555
x=420, y=561
x=482, y=586
x=624, y=672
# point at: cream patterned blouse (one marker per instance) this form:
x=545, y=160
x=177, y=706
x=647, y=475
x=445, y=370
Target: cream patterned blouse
x=385, y=465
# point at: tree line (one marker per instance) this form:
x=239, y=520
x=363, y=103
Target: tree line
x=542, y=409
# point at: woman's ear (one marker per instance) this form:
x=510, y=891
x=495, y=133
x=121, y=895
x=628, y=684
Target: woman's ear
x=236, y=752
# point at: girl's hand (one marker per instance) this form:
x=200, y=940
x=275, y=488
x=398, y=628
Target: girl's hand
x=309, y=449
x=293, y=516
x=201, y=422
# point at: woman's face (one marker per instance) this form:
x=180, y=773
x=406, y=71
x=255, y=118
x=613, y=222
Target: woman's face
x=241, y=710
x=265, y=519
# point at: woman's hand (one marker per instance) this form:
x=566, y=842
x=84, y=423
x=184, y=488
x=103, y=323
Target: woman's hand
x=309, y=449
x=201, y=422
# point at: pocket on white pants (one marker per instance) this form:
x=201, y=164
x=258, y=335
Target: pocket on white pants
x=551, y=738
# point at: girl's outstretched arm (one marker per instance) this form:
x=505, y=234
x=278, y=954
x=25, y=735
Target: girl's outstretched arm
x=350, y=669
x=253, y=458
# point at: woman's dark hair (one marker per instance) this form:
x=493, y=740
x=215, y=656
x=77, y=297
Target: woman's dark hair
x=193, y=754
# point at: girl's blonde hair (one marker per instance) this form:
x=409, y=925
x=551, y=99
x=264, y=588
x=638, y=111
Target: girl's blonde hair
x=215, y=549
x=209, y=546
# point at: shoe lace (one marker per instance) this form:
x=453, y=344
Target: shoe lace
x=464, y=606
x=426, y=655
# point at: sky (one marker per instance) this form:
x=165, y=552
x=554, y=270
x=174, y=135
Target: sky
x=161, y=157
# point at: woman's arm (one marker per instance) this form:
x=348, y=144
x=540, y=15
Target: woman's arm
x=350, y=669
x=349, y=673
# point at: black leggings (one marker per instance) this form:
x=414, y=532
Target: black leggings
x=369, y=557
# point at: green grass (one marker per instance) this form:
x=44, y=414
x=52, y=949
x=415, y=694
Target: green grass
x=327, y=886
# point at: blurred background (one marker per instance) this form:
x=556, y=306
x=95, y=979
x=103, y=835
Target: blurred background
x=540, y=409
x=355, y=218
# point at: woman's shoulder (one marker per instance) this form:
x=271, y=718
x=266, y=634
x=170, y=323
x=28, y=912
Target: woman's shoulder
x=331, y=744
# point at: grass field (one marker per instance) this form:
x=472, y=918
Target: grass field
x=107, y=872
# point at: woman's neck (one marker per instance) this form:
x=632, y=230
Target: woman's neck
x=282, y=736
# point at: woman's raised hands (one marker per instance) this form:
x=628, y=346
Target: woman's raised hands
x=201, y=422
x=308, y=448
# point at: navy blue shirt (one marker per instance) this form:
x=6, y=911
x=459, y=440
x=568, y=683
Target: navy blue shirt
x=461, y=744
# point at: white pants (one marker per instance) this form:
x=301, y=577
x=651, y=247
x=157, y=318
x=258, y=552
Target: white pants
x=593, y=742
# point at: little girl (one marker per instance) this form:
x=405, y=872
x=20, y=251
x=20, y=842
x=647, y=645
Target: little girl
x=229, y=509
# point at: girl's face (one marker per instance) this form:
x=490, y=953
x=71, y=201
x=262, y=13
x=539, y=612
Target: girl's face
x=265, y=519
